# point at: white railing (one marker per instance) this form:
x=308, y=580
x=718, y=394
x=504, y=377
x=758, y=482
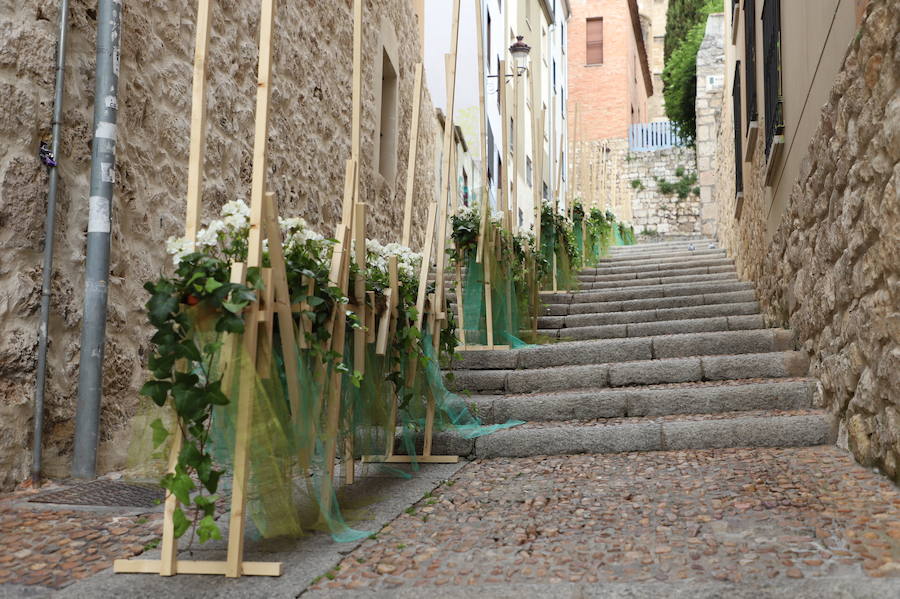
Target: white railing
x=646, y=137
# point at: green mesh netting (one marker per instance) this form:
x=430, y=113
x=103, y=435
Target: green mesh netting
x=289, y=489
x=506, y=303
x=552, y=246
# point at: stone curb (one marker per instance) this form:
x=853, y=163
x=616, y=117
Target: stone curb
x=656, y=265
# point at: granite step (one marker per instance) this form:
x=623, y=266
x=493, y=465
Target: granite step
x=669, y=261
x=668, y=280
x=578, y=353
x=660, y=245
x=773, y=364
x=644, y=292
x=663, y=327
x=631, y=402
x=647, y=273
x=761, y=428
x=653, y=303
x=662, y=254
x=653, y=315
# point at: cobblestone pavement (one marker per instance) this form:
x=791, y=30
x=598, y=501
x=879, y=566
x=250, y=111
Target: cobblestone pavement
x=752, y=517
x=54, y=546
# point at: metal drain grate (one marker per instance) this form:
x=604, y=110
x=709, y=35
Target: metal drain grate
x=105, y=493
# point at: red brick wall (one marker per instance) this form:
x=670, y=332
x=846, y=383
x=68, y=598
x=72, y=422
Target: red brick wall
x=604, y=94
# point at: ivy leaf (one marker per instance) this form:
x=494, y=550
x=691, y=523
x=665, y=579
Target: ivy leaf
x=160, y=434
x=314, y=300
x=234, y=307
x=160, y=307
x=211, y=285
x=188, y=350
x=157, y=391
x=207, y=529
x=181, y=522
x=230, y=323
x=191, y=456
x=180, y=484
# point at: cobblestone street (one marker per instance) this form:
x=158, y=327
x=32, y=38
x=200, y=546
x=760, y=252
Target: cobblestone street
x=55, y=546
x=734, y=515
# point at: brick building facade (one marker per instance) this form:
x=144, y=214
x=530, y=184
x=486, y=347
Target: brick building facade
x=610, y=87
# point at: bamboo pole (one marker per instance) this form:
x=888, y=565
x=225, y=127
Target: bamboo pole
x=503, y=172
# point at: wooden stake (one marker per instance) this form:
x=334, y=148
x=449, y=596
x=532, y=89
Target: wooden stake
x=413, y=154
x=503, y=172
x=198, y=124
x=485, y=159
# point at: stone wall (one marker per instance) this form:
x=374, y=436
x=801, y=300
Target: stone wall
x=710, y=84
x=653, y=211
x=832, y=270
x=309, y=141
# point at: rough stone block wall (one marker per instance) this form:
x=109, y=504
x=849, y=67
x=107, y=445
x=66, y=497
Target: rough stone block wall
x=309, y=142
x=710, y=83
x=832, y=270
x=653, y=211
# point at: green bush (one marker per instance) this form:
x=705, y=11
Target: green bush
x=681, y=16
x=680, y=72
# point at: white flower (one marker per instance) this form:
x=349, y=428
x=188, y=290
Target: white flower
x=236, y=208
x=179, y=247
x=497, y=216
x=210, y=235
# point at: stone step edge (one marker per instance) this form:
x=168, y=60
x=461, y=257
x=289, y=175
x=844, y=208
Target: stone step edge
x=651, y=347
x=637, y=402
x=742, y=309
x=713, y=277
x=773, y=365
x=626, y=329
x=728, y=430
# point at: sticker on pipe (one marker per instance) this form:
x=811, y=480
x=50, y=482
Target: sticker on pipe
x=98, y=215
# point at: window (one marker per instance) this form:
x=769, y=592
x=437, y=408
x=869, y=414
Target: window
x=772, y=71
x=512, y=135
x=500, y=174
x=529, y=168
x=501, y=79
x=465, y=188
x=488, y=43
x=490, y=153
x=750, y=59
x=594, y=38
x=387, y=151
x=738, y=131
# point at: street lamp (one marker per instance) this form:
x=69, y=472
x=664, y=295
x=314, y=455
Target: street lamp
x=519, y=51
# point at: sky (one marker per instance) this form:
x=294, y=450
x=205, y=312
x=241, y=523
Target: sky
x=437, y=43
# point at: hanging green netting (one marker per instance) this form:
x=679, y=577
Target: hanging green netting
x=558, y=248
x=506, y=303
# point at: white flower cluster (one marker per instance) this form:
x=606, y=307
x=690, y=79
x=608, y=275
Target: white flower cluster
x=236, y=214
x=497, y=216
x=378, y=255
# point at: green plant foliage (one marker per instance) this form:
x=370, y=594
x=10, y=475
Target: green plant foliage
x=683, y=187
x=183, y=372
x=637, y=184
x=681, y=17
x=685, y=35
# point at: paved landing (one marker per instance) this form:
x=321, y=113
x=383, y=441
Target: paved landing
x=806, y=519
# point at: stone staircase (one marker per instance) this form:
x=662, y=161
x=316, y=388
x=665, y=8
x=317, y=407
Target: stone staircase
x=662, y=348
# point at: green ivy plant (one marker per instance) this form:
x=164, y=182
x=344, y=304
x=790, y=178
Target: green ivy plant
x=183, y=371
x=683, y=187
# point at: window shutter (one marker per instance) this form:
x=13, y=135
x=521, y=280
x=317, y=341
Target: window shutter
x=594, y=41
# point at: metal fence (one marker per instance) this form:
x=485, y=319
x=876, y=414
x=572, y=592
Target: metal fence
x=646, y=137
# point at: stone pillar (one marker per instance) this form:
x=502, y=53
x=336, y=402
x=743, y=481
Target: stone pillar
x=710, y=84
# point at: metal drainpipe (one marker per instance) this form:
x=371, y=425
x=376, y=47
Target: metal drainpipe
x=49, y=229
x=103, y=166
